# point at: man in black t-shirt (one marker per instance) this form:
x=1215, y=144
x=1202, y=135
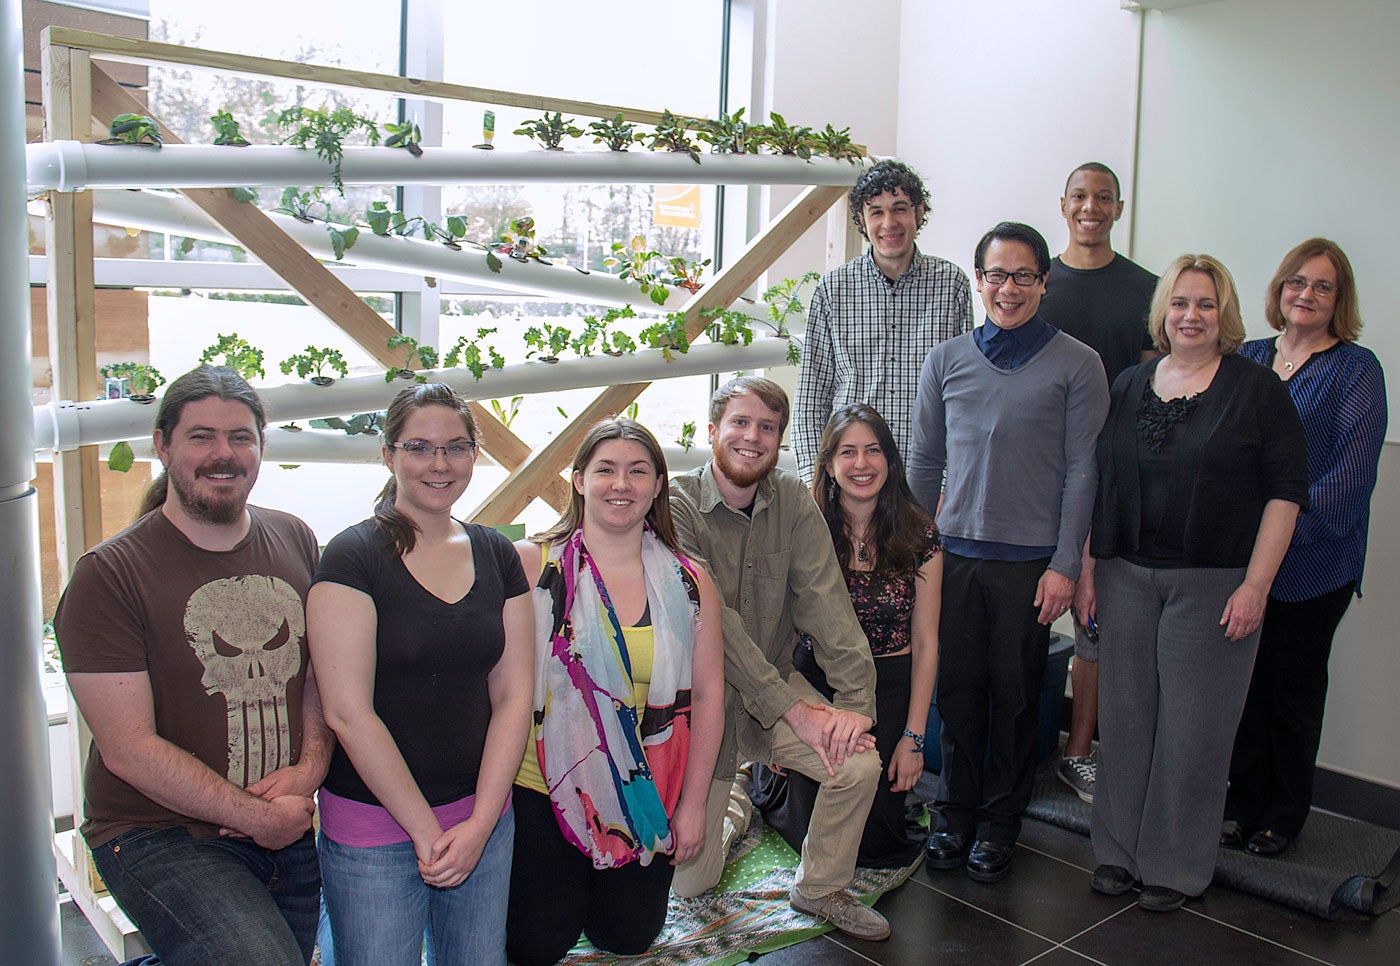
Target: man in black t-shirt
x=1101, y=298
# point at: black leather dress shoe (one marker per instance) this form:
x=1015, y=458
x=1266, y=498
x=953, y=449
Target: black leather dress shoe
x=1231, y=834
x=947, y=850
x=988, y=862
x=1266, y=842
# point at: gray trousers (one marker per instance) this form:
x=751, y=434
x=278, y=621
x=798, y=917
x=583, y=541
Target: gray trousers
x=1171, y=690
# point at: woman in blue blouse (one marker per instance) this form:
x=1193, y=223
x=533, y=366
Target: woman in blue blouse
x=1339, y=390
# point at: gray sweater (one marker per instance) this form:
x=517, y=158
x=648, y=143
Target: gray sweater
x=1017, y=445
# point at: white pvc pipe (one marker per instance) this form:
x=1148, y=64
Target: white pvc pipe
x=74, y=166
x=155, y=211
x=68, y=425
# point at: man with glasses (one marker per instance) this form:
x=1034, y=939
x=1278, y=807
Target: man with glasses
x=872, y=321
x=1100, y=298
x=1011, y=412
x=184, y=642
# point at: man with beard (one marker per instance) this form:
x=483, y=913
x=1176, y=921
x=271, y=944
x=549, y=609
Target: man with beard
x=771, y=556
x=184, y=642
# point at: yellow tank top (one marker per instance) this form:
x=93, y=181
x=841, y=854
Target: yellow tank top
x=640, y=649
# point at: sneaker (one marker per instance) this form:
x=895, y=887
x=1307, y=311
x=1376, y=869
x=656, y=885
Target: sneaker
x=845, y=912
x=1079, y=773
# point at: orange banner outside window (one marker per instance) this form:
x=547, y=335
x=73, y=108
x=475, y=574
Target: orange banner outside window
x=676, y=206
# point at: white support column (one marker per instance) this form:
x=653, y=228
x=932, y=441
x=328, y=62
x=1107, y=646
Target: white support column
x=422, y=44
x=28, y=893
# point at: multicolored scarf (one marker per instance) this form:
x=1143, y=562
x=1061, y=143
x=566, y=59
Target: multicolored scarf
x=612, y=791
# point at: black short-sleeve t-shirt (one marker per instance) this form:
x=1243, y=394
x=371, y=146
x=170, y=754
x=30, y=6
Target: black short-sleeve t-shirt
x=432, y=658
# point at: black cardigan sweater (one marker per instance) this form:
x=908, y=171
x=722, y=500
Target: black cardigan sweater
x=1242, y=447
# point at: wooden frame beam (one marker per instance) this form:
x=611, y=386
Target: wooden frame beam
x=506, y=502
x=305, y=275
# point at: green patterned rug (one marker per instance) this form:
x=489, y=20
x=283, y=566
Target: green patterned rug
x=747, y=912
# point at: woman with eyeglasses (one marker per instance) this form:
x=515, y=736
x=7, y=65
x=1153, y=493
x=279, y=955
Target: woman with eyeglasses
x=628, y=709
x=1202, y=472
x=1339, y=390
x=421, y=638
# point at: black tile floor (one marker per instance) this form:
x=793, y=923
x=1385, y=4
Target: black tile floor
x=1043, y=912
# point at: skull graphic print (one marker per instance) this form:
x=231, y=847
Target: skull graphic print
x=248, y=632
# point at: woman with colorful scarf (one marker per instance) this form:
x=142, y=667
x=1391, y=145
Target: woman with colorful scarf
x=628, y=709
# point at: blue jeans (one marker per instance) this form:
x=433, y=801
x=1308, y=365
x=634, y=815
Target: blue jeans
x=215, y=901
x=379, y=905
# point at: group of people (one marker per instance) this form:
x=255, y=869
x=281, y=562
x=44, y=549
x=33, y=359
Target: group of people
x=514, y=746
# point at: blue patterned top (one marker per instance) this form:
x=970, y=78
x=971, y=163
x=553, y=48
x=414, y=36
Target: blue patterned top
x=1340, y=395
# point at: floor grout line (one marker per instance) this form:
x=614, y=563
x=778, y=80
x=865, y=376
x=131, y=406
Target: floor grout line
x=986, y=912
x=1255, y=935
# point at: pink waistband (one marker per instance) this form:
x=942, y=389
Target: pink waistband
x=362, y=826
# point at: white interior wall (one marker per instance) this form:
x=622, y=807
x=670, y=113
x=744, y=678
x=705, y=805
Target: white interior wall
x=1266, y=122
x=1000, y=100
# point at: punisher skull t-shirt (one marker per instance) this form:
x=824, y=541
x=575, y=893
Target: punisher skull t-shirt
x=222, y=636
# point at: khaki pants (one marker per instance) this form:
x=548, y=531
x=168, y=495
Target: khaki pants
x=833, y=837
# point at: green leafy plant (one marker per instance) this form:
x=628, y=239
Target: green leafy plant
x=343, y=238
x=685, y=273
x=633, y=408
x=836, y=144
x=385, y=221
x=518, y=241
x=424, y=356
x=547, y=342
x=728, y=326
x=142, y=380
x=633, y=259
x=468, y=353
x=784, y=303
x=731, y=134
x=615, y=132
x=324, y=131
x=134, y=129
x=687, y=437
x=236, y=353
x=598, y=334
x=302, y=204
x=668, y=335
x=405, y=135
x=121, y=457
x=506, y=412
x=672, y=133
x=784, y=138
x=226, y=130
x=550, y=130
x=313, y=363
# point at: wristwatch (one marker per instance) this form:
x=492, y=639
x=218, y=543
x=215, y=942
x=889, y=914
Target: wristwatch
x=918, y=740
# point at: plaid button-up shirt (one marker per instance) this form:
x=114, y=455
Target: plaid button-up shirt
x=866, y=341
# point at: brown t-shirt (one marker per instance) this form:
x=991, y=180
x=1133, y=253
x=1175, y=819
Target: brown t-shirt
x=222, y=635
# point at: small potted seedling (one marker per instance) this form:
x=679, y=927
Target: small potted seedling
x=547, y=342
x=550, y=130
x=730, y=134
x=142, y=381
x=784, y=303
x=632, y=259
x=685, y=273
x=425, y=357
x=324, y=131
x=405, y=135
x=313, y=363
x=687, y=437
x=784, y=138
x=237, y=354
x=506, y=412
x=134, y=129
x=226, y=131
x=468, y=354
x=672, y=133
x=301, y=204
x=615, y=132
x=837, y=144
x=668, y=335
x=519, y=242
